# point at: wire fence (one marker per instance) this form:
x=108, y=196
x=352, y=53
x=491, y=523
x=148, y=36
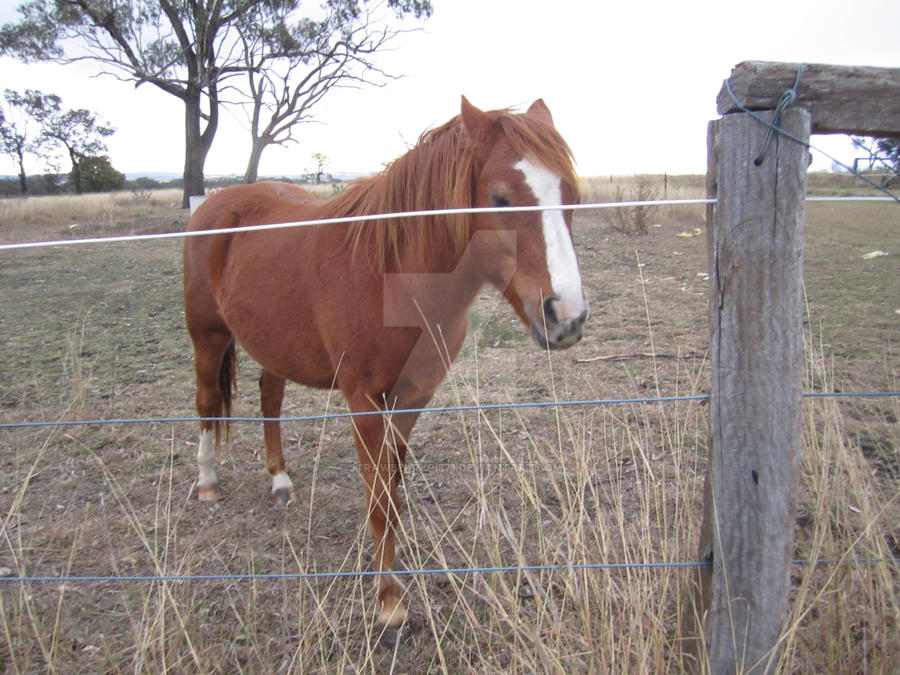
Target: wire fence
x=363, y=574
x=444, y=409
x=385, y=216
x=447, y=409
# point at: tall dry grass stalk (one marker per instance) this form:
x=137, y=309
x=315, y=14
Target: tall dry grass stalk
x=844, y=616
x=609, y=485
x=554, y=487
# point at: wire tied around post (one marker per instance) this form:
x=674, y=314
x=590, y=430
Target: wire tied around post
x=787, y=99
x=773, y=127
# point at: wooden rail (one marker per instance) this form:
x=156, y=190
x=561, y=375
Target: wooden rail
x=858, y=100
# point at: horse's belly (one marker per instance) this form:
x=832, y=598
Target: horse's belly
x=299, y=358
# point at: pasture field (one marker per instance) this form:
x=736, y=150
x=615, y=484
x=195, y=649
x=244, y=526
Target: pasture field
x=96, y=332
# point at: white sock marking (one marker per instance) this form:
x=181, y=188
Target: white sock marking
x=281, y=481
x=206, y=459
x=561, y=260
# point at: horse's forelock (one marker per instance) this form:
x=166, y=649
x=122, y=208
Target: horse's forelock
x=532, y=138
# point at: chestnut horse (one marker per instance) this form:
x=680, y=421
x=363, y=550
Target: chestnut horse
x=379, y=308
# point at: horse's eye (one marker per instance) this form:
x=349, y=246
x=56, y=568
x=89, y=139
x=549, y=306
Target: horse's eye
x=499, y=200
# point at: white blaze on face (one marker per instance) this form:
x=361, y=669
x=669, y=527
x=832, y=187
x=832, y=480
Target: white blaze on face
x=561, y=261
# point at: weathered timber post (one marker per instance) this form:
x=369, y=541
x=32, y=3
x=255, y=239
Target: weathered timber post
x=736, y=608
x=755, y=239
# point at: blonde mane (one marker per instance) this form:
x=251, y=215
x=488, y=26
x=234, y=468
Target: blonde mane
x=439, y=172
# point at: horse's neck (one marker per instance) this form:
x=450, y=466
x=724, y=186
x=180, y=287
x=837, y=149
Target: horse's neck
x=422, y=180
x=442, y=296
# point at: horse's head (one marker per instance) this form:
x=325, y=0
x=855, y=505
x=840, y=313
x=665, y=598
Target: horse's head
x=522, y=161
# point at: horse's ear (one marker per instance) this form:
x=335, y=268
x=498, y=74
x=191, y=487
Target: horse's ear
x=540, y=110
x=475, y=122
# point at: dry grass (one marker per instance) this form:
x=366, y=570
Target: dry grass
x=638, y=220
x=72, y=216
x=844, y=617
x=66, y=210
x=605, y=189
x=491, y=488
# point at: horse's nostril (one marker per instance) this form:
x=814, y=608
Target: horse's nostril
x=581, y=318
x=552, y=303
x=549, y=312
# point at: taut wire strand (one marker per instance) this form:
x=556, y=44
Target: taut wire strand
x=181, y=234
x=702, y=398
x=292, y=576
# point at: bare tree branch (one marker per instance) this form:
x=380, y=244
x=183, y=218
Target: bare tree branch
x=291, y=69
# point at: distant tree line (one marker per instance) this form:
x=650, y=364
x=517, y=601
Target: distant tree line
x=36, y=125
x=99, y=176
x=51, y=183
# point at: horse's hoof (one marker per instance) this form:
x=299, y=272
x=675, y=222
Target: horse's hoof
x=208, y=493
x=392, y=636
x=392, y=615
x=283, y=496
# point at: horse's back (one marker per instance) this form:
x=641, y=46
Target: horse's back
x=236, y=206
x=255, y=203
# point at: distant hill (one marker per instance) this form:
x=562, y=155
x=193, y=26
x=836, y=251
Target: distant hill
x=155, y=175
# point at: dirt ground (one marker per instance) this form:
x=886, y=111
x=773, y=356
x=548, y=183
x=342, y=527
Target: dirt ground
x=96, y=332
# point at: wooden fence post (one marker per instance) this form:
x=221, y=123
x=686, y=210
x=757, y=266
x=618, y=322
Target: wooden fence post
x=755, y=234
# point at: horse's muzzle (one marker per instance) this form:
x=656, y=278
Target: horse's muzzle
x=551, y=333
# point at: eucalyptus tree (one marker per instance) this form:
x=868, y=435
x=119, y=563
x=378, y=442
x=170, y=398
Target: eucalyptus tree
x=80, y=133
x=36, y=123
x=17, y=135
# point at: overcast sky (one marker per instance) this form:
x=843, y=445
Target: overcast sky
x=631, y=85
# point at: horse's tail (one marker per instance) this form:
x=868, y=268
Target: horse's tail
x=227, y=387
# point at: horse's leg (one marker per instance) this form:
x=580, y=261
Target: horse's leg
x=271, y=390
x=381, y=473
x=211, y=349
x=381, y=445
